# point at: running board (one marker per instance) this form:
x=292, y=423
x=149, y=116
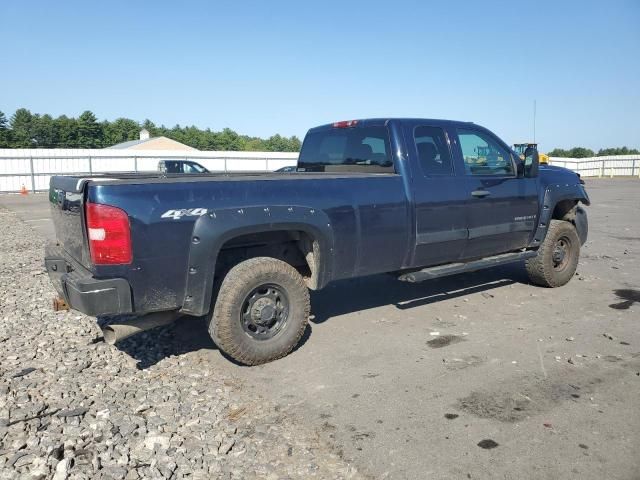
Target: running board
x=453, y=268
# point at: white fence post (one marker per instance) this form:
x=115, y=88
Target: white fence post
x=33, y=177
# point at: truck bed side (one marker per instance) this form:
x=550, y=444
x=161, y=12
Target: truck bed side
x=180, y=230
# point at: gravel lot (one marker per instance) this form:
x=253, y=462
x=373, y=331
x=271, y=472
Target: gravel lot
x=73, y=407
x=520, y=382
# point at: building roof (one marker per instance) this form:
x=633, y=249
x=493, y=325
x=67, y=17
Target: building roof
x=155, y=143
x=129, y=144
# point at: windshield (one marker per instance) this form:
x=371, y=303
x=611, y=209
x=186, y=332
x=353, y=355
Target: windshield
x=364, y=149
x=191, y=167
x=520, y=149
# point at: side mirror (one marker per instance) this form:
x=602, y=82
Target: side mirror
x=531, y=162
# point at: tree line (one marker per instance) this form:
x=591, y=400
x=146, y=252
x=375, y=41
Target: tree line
x=32, y=130
x=581, y=152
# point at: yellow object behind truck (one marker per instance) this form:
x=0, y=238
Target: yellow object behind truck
x=521, y=147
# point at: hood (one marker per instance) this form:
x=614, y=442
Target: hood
x=553, y=173
x=553, y=176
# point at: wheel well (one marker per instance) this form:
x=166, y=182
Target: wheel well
x=297, y=248
x=565, y=210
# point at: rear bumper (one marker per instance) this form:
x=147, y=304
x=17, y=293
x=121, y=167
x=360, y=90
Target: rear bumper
x=81, y=291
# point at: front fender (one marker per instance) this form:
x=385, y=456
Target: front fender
x=212, y=231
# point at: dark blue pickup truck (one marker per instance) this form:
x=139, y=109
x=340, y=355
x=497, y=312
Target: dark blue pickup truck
x=419, y=198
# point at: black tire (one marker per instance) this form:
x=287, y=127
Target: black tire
x=239, y=325
x=557, y=257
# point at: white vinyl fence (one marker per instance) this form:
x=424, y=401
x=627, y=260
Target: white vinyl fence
x=609, y=166
x=32, y=168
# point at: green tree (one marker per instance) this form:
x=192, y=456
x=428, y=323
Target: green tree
x=27, y=130
x=66, y=132
x=229, y=140
x=150, y=127
x=581, y=152
x=254, y=144
x=558, y=152
x=22, y=126
x=294, y=144
x=276, y=143
x=89, y=131
x=193, y=137
x=617, y=151
x=120, y=130
x=44, y=132
x=575, y=152
x=5, y=132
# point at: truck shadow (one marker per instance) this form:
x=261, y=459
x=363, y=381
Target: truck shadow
x=370, y=292
x=342, y=297
x=186, y=335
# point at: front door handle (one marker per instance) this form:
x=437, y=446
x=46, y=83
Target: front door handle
x=480, y=193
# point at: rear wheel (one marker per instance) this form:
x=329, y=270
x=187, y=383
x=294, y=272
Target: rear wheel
x=557, y=257
x=261, y=311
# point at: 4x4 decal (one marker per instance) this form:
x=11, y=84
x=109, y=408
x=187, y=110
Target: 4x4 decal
x=184, y=212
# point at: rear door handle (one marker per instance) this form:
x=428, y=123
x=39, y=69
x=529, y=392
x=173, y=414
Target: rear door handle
x=480, y=193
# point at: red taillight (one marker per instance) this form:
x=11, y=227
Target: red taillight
x=345, y=124
x=109, y=234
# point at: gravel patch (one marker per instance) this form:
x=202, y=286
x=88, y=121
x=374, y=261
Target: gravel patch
x=73, y=407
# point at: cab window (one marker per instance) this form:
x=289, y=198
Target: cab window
x=483, y=155
x=433, y=152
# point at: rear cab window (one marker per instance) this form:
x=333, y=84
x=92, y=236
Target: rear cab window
x=353, y=149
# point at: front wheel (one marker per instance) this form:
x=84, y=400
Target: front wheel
x=557, y=257
x=261, y=311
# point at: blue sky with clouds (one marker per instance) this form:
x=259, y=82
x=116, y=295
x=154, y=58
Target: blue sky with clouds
x=284, y=66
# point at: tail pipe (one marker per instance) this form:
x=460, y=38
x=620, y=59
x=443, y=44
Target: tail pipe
x=120, y=330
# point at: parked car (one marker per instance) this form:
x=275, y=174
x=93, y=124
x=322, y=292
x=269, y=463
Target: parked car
x=181, y=166
x=288, y=169
x=420, y=198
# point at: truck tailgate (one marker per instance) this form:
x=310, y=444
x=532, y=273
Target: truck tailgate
x=67, y=204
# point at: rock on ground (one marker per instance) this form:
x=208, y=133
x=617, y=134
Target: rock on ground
x=73, y=407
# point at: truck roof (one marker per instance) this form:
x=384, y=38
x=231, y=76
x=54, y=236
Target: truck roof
x=386, y=120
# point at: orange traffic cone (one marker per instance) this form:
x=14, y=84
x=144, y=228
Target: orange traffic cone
x=24, y=191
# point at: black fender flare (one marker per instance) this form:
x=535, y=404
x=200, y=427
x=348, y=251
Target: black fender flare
x=554, y=194
x=213, y=230
x=582, y=224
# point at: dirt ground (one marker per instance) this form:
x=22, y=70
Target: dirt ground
x=474, y=376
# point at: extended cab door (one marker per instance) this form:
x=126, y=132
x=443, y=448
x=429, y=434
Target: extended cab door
x=502, y=207
x=439, y=195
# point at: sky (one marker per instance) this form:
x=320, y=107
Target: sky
x=266, y=67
